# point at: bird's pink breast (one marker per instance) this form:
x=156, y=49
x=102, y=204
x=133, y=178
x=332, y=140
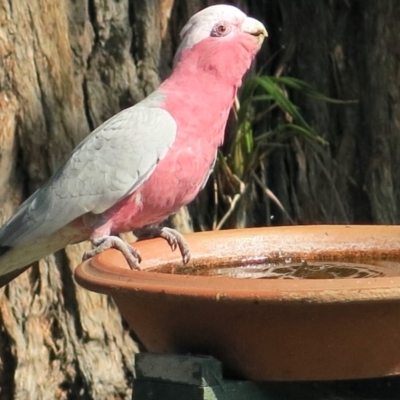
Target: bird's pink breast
x=199, y=96
x=180, y=175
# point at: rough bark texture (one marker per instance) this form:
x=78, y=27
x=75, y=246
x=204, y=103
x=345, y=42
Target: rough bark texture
x=66, y=66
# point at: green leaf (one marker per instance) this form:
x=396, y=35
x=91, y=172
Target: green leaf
x=280, y=98
x=307, y=89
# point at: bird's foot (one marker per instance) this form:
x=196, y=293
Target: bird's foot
x=172, y=236
x=102, y=243
x=176, y=239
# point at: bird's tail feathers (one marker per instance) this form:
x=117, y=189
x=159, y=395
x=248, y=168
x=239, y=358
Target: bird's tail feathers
x=15, y=260
x=4, y=250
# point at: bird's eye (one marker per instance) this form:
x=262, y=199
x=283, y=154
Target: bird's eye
x=220, y=29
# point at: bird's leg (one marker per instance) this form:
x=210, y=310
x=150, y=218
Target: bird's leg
x=172, y=236
x=102, y=243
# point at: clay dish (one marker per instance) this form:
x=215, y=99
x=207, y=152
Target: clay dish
x=265, y=329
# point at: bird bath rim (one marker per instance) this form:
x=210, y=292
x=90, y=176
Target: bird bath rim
x=109, y=272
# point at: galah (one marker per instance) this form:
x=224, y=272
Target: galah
x=148, y=160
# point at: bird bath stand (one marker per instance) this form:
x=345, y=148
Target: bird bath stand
x=272, y=304
x=177, y=377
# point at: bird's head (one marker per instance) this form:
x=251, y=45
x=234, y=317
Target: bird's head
x=221, y=35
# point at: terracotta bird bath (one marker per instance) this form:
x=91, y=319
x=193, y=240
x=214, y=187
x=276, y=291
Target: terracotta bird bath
x=282, y=303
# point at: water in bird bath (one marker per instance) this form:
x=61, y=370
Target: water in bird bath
x=289, y=268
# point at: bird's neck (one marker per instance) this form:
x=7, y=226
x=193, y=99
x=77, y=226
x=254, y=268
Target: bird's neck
x=204, y=83
x=225, y=59
x=214, y=65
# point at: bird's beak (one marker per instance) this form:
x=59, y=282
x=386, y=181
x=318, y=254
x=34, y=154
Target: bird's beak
x=255, y=28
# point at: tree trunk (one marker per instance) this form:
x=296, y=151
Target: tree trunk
x=349, y=50
x=66, y=66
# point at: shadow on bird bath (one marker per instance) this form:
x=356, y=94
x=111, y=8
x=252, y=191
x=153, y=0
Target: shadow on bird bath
x=282, y=303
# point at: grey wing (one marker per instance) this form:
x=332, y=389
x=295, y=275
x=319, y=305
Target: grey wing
x=108, y=165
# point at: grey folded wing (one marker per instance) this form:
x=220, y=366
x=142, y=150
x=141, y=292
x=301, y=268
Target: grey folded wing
x=113, y=161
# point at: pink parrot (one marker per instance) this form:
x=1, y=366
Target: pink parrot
x=148, y=160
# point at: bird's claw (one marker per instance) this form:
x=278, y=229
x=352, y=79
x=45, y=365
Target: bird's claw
x=171, y=240
x=175, y=240
x=131, y=254
x=186, y=257
x=172, y=236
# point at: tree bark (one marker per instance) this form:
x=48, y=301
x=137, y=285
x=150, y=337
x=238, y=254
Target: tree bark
x=65, y=67
x=68, y=65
